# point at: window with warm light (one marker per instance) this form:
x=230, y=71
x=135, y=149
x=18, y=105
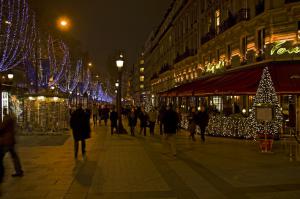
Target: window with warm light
x=208, y=23
x=142, y=61
x=261, y=40
x=142, y=86
x=244, y=46
x=299, y=30
x=217, y=19
x=142, y=78
x=229, y=52
x=142, y=70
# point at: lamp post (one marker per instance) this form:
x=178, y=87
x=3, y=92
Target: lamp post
x=120, y=64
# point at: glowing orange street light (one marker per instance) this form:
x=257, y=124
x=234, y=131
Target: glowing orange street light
x=64, y=23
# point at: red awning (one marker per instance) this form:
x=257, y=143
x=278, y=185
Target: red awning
x=285, y=77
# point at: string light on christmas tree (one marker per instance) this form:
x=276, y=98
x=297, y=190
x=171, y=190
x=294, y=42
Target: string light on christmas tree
x=266, y=96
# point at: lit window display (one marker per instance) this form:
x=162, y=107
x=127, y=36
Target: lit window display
x=46, y=114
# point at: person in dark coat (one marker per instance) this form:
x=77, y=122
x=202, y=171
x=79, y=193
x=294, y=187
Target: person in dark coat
x=143, y=121
x=87, y=124
x=161, y=114
x=113, y=120
x=203, y=121
x=7, y=144
x=170, y=123
x=78, y=123
x=193, y=118
x=105, y=114
x=132, y=120
x=100, y=113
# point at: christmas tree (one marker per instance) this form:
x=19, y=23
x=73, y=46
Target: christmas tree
x=266, y=96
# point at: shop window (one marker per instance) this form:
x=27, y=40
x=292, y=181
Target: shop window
x=216, y=102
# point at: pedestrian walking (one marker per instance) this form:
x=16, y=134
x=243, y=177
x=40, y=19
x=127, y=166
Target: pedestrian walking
x=113, y=121
x=179, y=116
x=152, y=119
x=80, y=126
x=100, y=113
x=170, y=128
x=203, y=121
x=161, y=114
x=7, y=144
x=132, y=120
x=143, y=121
x=193, y=118
x=95, y=114
x=105, y=114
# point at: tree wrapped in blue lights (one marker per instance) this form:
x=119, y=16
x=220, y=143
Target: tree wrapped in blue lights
x=85, y=84
x=58, y=56
x=266, y=95
x=16, y=33
x=71, y=76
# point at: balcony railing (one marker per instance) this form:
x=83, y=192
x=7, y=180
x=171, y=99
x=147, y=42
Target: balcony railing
x=291, y=1
x=187, y=53
x=228, y=23
x=243, y=14
x=210, y=35
x=260, y=8
x=164, y=68
x=154, y=76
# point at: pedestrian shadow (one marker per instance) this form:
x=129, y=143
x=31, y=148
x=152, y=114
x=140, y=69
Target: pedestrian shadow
x=84, y=172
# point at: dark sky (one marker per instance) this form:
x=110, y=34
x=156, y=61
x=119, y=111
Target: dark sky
x=106, y=26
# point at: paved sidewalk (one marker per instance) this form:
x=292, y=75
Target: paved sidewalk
x=126, y=167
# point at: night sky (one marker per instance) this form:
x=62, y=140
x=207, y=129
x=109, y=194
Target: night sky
x=104, y=27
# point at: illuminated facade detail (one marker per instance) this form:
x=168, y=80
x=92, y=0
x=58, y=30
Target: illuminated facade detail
x=279, y=50
x=142, y=78
x=213, y=67
x=142, y=70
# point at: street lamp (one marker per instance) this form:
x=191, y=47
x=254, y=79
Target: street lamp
x=10, y=76
x=120, y=64
x=64, y=23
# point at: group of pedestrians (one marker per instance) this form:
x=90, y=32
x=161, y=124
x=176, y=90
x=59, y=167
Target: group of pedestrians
x=100, y=112
x=200, y=119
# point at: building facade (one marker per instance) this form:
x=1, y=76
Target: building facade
x=199, y=39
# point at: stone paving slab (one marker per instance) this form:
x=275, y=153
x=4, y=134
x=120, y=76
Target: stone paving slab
x=125, y=167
